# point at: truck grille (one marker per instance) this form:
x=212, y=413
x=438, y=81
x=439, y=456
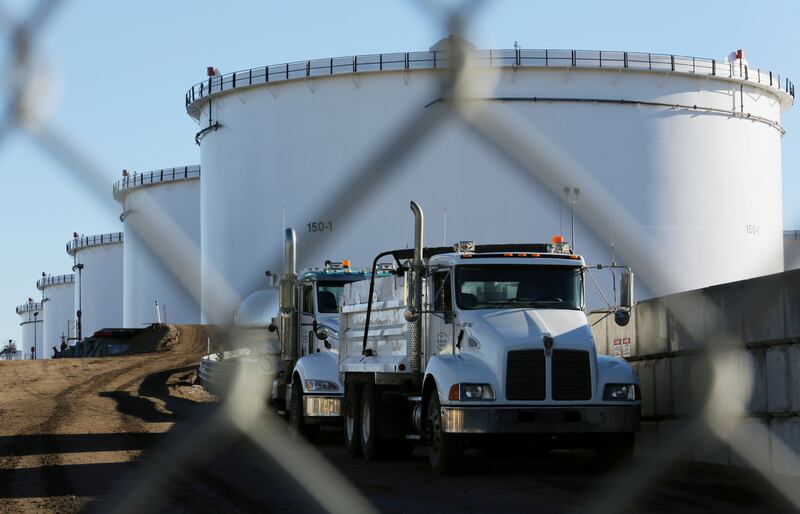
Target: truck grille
x=572, y=375
x=525, y=376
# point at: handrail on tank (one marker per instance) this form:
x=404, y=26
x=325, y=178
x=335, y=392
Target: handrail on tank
x=53, y=280
x=641, y=61
x=28, y=306
x=155, y=177
x=96, y=240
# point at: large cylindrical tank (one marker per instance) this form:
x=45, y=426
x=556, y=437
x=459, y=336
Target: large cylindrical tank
x=31, y=319
x=161, y=212
x=59, y=302
x=98, y=282
x=791, y=249
x=689, y=148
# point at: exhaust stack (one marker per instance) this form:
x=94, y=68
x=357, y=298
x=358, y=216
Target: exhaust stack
x=288, y=314
x=415, y=302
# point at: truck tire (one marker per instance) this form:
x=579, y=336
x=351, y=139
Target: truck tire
x=615, y=449
x=445, y=451
x=352, y=420
x=299, y=430
x=372, y=444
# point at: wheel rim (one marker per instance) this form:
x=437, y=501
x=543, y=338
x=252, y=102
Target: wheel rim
x=365, y=422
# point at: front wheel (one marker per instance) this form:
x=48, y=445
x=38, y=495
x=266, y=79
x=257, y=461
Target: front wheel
x=446, y=450
x=298, y=428
x=352, y=420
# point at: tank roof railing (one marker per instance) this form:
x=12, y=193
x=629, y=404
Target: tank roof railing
x=52, y=280
x=155, y=177
x=514, y=58
x=29, y=306
x=97, y=240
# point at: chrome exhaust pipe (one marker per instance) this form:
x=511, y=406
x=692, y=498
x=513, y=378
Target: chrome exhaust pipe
x=415, y=304
x=288, y=313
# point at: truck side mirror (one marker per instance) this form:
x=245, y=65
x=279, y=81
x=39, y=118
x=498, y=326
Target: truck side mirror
x=322, y=333
x=622, y=316
x=626, y=290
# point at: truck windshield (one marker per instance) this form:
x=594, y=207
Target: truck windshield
x=329, y=295
x=513, y=287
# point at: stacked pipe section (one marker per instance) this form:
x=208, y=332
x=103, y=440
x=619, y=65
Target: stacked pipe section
x=98, y=282
x=161, y=270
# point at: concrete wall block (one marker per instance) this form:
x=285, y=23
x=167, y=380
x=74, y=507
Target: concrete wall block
x=722, y=318
x=794, y=378
x=762, y=304
x=599, y=332
x=683, y=397
x=749, y=441
x=662, y=386
x=777, y=359
x=755, y=362
x=791, y=303
x=686, y=324
x=785, y=445
x=647, y=440
x=627, y=332
x=710, y=448
x=645, y=370
x=651, y=328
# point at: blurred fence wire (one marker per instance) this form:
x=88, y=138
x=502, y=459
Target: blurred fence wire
x=243, y=411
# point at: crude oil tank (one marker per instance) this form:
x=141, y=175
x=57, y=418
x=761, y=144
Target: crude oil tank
x=161, y=213
x=59, y=301
x=687, y=147
x=31, y=319
x=98, y=282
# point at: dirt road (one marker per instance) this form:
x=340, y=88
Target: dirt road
x=74, y=430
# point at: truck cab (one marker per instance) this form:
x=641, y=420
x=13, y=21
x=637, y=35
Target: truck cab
x=313, y=394
x=472, y=343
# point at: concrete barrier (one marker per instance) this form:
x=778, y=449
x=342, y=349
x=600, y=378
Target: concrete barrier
x=672, y=342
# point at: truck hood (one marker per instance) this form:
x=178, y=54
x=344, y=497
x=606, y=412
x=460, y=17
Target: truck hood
x=526, y=327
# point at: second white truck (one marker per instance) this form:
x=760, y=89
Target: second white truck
x=464, y=346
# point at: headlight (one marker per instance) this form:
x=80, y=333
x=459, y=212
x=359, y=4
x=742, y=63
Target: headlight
x=471, y=392
x=621, y=392
x=321, y=385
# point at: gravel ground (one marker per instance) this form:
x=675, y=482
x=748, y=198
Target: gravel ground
x=74, y=433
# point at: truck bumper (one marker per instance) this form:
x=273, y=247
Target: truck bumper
x=541, y=420
x=322, y=406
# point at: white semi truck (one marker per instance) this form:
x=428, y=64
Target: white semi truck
x=308, y=386
x=467, y=345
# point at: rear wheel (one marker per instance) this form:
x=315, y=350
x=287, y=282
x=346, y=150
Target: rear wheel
x=446, y=450
x=352, y=420
x=298, y=428
x=372, y=444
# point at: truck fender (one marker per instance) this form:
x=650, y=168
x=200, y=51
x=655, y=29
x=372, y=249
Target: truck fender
x=446, y=370
x=317, y=366
x=614, y=370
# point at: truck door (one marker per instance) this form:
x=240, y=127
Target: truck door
x=441, y=320
x=306, y=332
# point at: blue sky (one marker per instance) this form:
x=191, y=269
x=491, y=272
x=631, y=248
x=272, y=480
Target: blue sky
x=120, y=70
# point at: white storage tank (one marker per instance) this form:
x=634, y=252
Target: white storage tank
x=31, y=319
x=161, y=204
x=791, y=249
x=688, y=147
x=98, y=282
x=59, y=302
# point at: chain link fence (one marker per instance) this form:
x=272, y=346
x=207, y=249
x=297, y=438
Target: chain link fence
x=723, y=394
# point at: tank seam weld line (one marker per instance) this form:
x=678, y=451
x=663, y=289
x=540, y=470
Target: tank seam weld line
x=716, y=110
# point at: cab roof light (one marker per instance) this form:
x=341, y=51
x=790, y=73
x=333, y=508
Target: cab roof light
x=557, y=239
x=465, y=246
x=346, y=263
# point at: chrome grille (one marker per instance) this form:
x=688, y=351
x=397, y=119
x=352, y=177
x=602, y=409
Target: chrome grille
x=572, y=375
x=525, y=375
